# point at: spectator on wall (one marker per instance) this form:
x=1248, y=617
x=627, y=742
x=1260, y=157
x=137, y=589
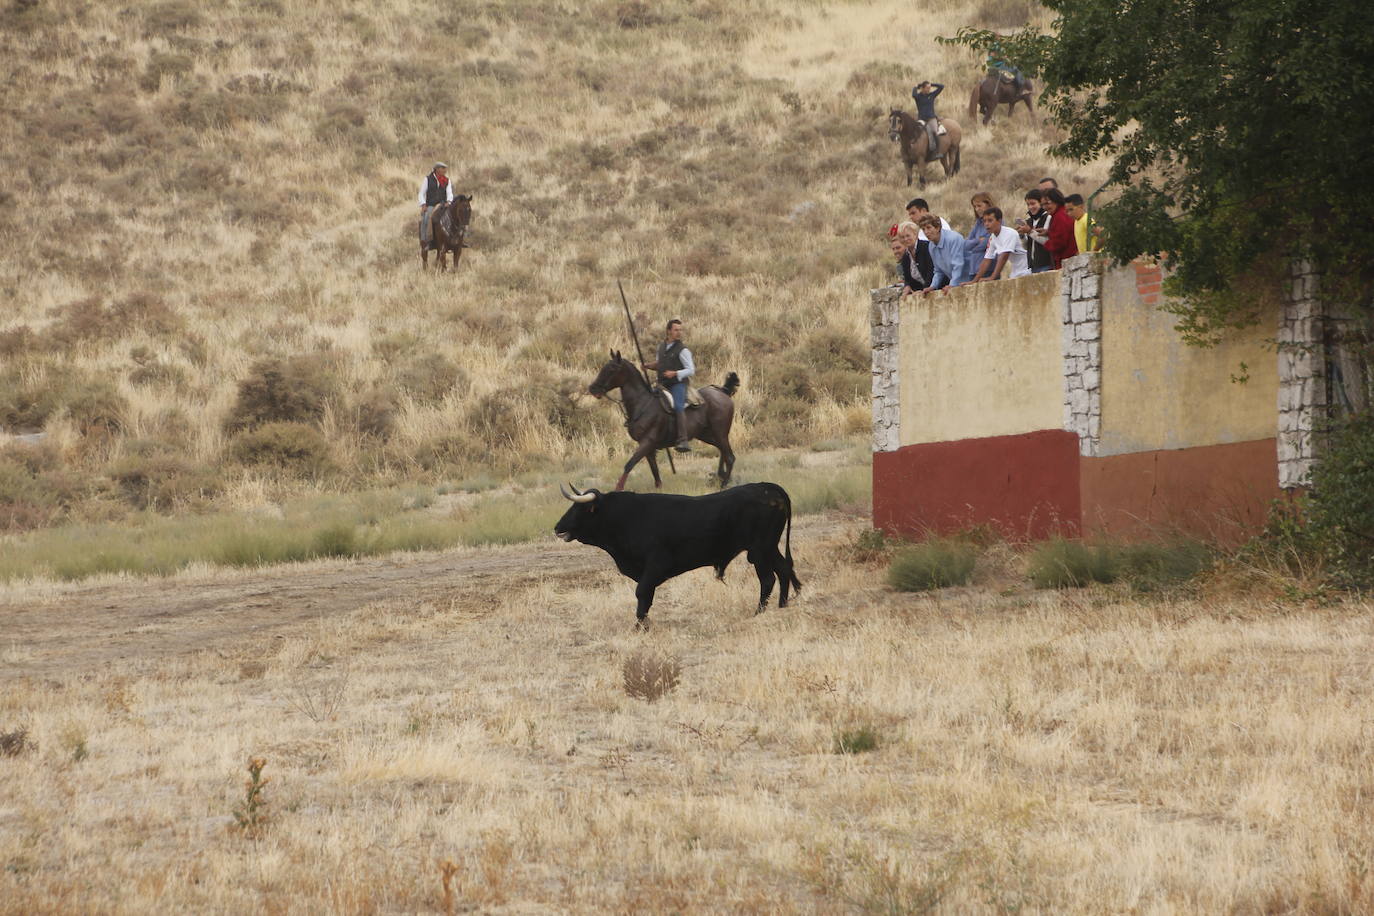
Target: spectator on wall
x=916, y=209
x=1033, y=232
x=976, y=245
x=1060, y=241
x=946, y=253
x=898, y=252
x=1005, y=252
x=917, y=269
x=1086, y=233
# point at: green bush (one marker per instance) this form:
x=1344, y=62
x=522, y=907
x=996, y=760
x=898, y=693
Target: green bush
x=1155, y=567
x=856, y=740
x=1342, y=503
x=279, y=390
x=1071, y=564
x=295, y=448
x=937, y=563
x=161, y=480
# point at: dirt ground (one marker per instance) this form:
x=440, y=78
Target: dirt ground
x=79, y=627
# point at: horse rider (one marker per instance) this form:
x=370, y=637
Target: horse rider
x=997, y=65
x=674, y=365
x=924, y=95
x=435, y=190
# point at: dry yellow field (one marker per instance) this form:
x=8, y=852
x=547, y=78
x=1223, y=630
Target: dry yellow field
x=199, y=189
x=1052, y=752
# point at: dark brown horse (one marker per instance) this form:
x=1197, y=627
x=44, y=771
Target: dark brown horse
x=448, y=228
x=996, y=89
x=916, y=140
x=653, y=427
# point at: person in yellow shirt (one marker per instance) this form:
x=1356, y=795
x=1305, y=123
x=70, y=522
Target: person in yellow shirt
x=1087, y=233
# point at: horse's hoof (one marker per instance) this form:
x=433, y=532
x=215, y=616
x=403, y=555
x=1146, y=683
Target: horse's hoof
x=642, y=625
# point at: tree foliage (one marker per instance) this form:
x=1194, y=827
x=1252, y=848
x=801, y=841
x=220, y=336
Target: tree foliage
x=1239, y=132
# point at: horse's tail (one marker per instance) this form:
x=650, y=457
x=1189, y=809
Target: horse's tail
x=973, y=100
x=731, y=384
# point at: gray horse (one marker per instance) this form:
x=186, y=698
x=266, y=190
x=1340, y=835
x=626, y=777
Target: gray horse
x=653, y=427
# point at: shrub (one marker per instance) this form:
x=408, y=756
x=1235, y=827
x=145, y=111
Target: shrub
x=856, y=740
x=14, y=743
x=296, y=448
x=374, y=413
x=937, y=563
x=278, y=390
x=1342, y=501
x=161, y=480
x=430, y=377
x=648, y=675
x=1071, y=564
x=1158, y=567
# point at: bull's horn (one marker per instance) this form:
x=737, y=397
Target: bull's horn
x=579, y=498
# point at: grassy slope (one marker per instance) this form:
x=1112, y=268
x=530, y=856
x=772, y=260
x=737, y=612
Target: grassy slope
x=242, y=176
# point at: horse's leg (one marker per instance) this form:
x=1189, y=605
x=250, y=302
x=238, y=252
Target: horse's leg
x=646, y=447
x=908, y=173
x=424, y=257
x=653, y=466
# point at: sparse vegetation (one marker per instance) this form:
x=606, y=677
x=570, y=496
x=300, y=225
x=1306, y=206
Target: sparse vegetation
x=1071, y=564
x=250, y=815
x=935, y=563
x=649, y=675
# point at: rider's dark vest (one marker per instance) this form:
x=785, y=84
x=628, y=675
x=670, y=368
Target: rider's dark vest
x=669, y=357
x=434, y=194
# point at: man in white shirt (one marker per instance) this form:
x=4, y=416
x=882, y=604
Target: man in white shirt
x=435, y=189
x=1004, y=250
x=916, y=210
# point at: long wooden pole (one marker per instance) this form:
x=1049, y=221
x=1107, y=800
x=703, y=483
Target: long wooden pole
x=644, y=372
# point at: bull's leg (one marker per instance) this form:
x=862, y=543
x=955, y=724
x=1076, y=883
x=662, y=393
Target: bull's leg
x=644, y=591
x=763, y=566
x=645, y=449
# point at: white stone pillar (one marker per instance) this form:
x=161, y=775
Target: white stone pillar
x=1302, y=377
x=1081, y=338
x=885, y=320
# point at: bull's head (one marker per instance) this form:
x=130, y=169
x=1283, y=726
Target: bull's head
x=576, y=522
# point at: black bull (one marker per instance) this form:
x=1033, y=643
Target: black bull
x=653, y=537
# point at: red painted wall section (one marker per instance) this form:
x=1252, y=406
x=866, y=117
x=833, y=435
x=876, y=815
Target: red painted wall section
x=1026, y=486
x=1217, y=492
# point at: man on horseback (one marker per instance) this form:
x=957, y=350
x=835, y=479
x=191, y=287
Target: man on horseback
x=674, y=366
x=997, y=66
x=435, y=191
x=924, y=96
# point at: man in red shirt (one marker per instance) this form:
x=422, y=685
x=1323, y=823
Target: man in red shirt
x=1061, y=243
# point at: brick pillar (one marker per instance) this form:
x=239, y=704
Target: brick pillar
x=885, y=320
x=1081, y=338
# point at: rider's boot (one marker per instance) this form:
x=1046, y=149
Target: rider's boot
x=684, y=441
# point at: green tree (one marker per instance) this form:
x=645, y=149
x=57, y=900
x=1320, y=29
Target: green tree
x=1240, y=133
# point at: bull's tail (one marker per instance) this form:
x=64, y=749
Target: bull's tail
x=731, y=384
x=791, y=571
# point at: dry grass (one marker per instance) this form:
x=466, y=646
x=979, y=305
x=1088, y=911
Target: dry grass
x=1041, y=751
x=197, y=192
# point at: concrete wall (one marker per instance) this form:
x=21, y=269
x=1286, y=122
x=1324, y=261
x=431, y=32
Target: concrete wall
x=981, y=361
x=1160, y=393
x=1065, y=403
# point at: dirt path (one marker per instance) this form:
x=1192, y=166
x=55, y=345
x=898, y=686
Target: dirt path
x=79, y=627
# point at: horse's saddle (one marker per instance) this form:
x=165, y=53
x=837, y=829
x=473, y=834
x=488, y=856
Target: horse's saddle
x=1006, y=75
x=693, y=398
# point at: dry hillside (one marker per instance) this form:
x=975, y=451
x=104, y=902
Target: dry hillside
x=209, y=212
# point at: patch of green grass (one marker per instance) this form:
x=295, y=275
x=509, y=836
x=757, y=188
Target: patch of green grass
x=937, y=563
x=1155, y=567
x=856, y=740
x=1071, y=564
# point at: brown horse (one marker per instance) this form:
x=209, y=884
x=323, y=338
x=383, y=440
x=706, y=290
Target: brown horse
x=653, y=427
x=915, y=140
x=996, y=89
x=447, y=229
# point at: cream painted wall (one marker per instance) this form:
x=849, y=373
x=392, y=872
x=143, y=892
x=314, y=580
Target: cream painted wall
x=1160, y=393
x=982, y=360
